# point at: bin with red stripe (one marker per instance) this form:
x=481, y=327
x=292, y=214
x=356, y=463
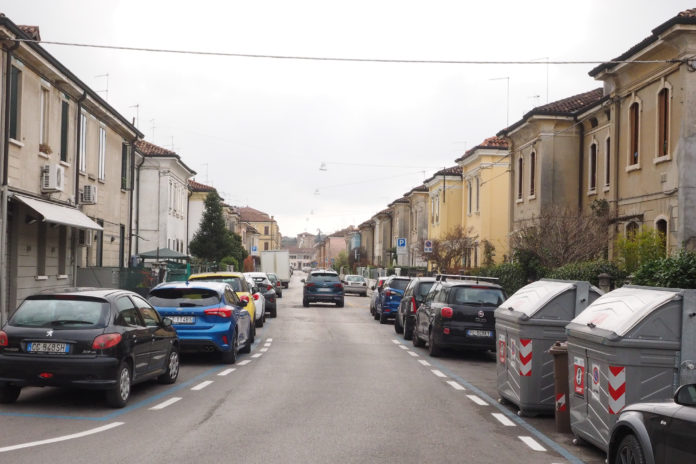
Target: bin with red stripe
x=634, y=344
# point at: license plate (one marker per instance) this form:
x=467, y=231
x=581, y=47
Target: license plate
x=479, y=333
x=324, y=290
x=182, y=319
x=41, y=347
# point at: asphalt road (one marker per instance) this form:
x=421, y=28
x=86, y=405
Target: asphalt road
x=321, y=385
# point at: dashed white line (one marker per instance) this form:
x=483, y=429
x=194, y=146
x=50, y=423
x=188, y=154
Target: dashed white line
x=244, y=363
x=455, y=385
x=396, y=342
x=413, y=353
x=532, y=443
x=257, y=355
x=477, y=400
x=202, y=385
x=164, y=404
x=269, y=340
x=226, y=372
x=503, y=420
x=263, y=350
x=438, y=373
x=403, y=347
x=63, y=438
x=267, y=345
x=424, y=362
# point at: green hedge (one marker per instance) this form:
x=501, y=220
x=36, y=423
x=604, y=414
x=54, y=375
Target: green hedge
x=512, y=276
x=678, y=271
x=589, y=271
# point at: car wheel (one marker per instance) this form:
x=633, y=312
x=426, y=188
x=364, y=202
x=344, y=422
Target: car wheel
x=339, y=304
x=259, y=322
x=274, y=312
x=305, y=302
x=408, y=331
x=247, y=346
x=382, y=318
x=230, y=357
x=417, y=342
x=118, y=396
x=629, y=451
x=252, y=333
x=172, y=372
x=434, y=349
x=398, y=328
x=9, y=393
x=376, y=315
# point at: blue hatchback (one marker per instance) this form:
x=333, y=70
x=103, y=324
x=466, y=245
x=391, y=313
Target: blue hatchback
x=390, y=298
x=208, y=316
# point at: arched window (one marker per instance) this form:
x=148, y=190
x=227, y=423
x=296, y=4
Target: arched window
x=631, y=230
x=532, y=174
x=520, y=166
x=592, y=177
x=663, y=122
x=634, y=133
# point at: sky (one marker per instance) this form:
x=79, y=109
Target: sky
x=322, y=145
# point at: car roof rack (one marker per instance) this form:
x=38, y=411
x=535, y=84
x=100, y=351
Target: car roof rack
x=477, y=279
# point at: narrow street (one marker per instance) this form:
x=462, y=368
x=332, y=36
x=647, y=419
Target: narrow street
x=322, y=384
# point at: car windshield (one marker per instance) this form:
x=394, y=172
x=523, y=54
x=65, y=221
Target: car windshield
x=354, y=278
x=183, y=297
x=61, y=313
x=483, y=296
x=328, y=277
x=234, y=282
x=399, y=284
x=424, y=288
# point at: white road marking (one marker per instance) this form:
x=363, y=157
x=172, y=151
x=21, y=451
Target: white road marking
x=63, y=438
x=413, y=353
x=455, y=385
x=424, y=362
x=269, y=340
x=202, y=385
x=532, y=443
x=267, y=345
x=438, y=373
x=244, y=363
x=477, y=400
x=503, y=420
x=164, y=404
x=396, y=342
x=226, y=371
x=263, y=350
x=257, y=355
x=403, y=347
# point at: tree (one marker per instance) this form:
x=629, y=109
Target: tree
x=341, y=261
x=640, y=248
x=448, y=252
x=214, y=241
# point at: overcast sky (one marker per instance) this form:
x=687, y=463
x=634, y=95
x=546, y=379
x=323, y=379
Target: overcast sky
x=259, y=129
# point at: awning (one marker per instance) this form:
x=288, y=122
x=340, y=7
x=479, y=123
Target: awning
x=59, y=214
x=164, y=253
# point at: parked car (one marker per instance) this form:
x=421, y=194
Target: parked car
x=208, y=316
x=239, y=284
x=376, y=290
x=458, y=312
x=322, y=286
x=267, y=290
x=277, y=284
x=388, y=301
x=656, y=433
x=414, y=294
x=257, y=296
x=355, y=284
x=100, y=339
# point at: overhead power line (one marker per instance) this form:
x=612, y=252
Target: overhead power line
x=328, y=58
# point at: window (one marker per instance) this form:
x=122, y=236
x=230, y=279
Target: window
x=15, y=101
x=147, y=312
x=62, y=249
x=631, y=230
x=121, y=245
x=127, y=314
x=520, y=165
x=265, y=245
x=469, y=199
x=607, y=162
x=43, y=117
x=592, y=175
x=41, y=250
x=83, y=142
x=532, y=174
x=100, y=243
x=478, y=189
x=64, y=115
x=661, y=226
x=663, y=122
x=265, y=230
x=634, y=127
x=102, y=153
x=125, y=166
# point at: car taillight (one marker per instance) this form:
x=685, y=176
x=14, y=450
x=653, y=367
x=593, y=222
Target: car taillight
x=222, y=311
x=388, y=293
x=270, y=287
x=338, y=285
x=244, y=298
x=413, y=305
x=278, y=284
x=3, y=339
x=256, y=296
x=309, y=284
x=447, y=312
x=106, y=341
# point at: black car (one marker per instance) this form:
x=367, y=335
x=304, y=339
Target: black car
x=414, y=295
x=322, y=286
x=100, y=339
x=656, y=433
x=458, y=312
x=277, y=284
x=267, y=289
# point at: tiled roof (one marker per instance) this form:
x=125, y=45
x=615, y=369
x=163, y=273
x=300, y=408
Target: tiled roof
x=366, y=224
x=685, y=17
x=31, y=31
x=451, y=171
x=150, y=149
x=343, y=232
x=253, y=215
x=420, y=188
x=491, y=143
x=198, y=187
x=565, y=107
x=400, y=200
x=385, y=212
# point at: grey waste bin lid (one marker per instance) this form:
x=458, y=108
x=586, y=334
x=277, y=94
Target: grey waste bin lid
x=620, y=310
x=533, y=297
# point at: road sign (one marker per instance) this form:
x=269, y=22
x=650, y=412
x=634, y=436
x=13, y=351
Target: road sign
x=428, y=246
x=401, y=246
x=254, y=248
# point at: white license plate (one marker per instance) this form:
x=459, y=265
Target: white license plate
x=323, y=289
x=182, y=319
x=479, y=333
x=41, y=347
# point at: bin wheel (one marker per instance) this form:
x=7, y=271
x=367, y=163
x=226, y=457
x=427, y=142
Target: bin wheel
x=577, y=441
x=503, y=401
x=523, y=413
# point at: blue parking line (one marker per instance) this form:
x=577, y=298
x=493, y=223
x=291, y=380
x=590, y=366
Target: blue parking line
x=137, y=405
x=514, y=417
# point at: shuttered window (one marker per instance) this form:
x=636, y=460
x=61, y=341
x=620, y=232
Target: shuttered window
x=64, y=131
x=663, y=122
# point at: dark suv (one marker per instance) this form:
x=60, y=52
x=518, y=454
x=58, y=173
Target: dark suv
x=322, y=286
x=415, y=293
x=458, y=313
x=389, y=298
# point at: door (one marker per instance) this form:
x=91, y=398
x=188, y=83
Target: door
x=681, y=436
x=160, y=339
x=137, y=335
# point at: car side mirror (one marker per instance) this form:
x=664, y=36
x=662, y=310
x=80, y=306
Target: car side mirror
x=243, y=303
x=166, y=322
x=303, y=281
x=686, y=395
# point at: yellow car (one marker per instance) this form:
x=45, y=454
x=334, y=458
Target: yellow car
x=239, y=284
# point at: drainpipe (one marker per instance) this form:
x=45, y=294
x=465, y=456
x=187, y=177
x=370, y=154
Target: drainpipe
x=616, y=163
x=4, y=312
x=131, y=168
x=73, y=241
x=137, y=205
x=581, y=161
